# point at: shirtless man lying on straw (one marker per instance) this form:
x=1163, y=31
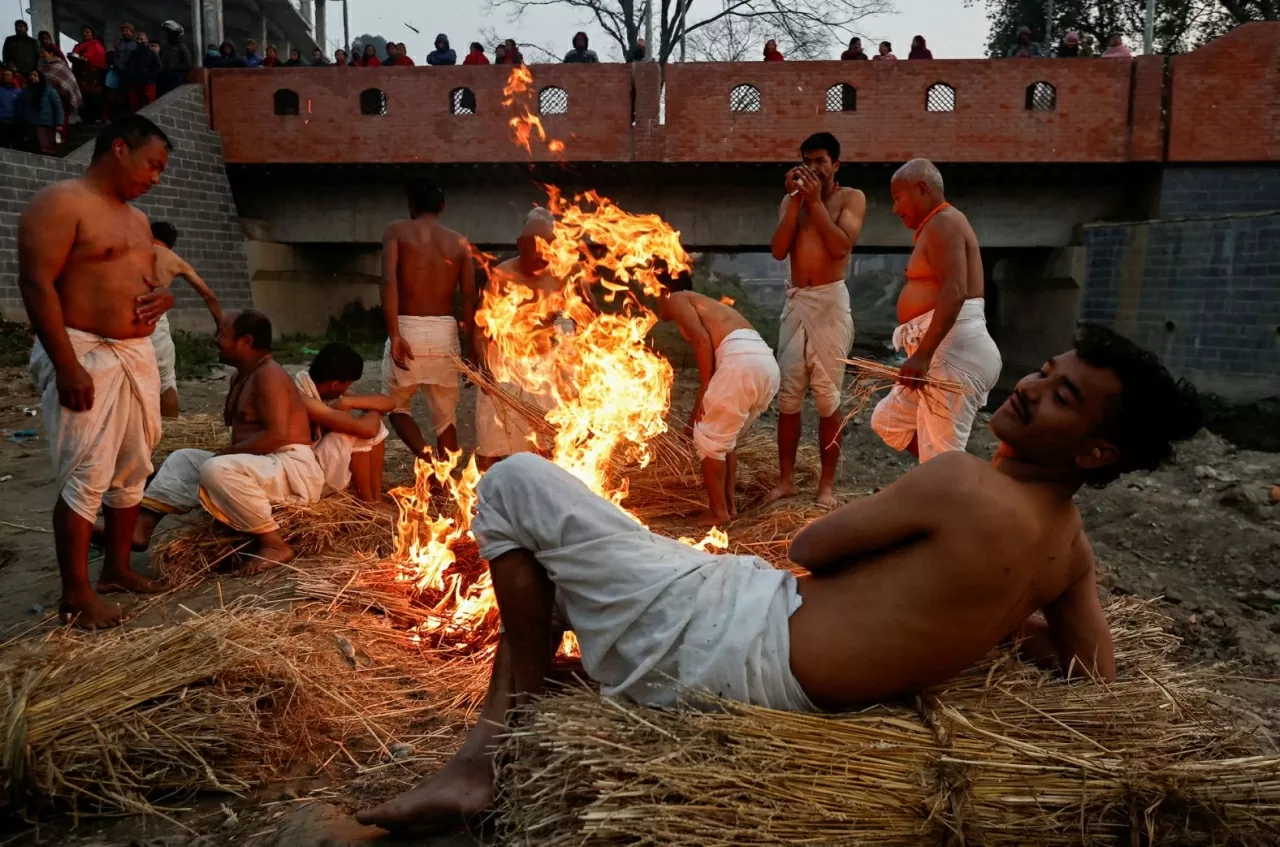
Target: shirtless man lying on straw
x=739, y=378
x=86, y=270
x=501, y=430
x=818, y=225
x=910, y=585
x=346, y=429
x=423, y=264
x=170, y=266
x=943, y=324
x=269, y=462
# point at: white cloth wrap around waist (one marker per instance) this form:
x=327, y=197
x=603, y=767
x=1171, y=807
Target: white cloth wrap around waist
x=433, y=339
x=814, y=337
x=166, y=354
x=102, y=455
x=653, y=616
x=941, y=420
x=743, y=386
x=334, y=449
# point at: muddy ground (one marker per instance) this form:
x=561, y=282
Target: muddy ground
x=1204, y=533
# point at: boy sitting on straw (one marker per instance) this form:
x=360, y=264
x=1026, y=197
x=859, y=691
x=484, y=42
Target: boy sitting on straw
x=346, y=429
x=269, y=462
x=739, y=378
x=909, y=586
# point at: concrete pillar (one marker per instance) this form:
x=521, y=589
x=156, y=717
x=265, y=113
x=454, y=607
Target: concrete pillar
x=1038, y=295
x=262, y=36
x=195, y=38
x=321, y=25
x=306, y=11
x=43, y=18
x=213, y=23
x=113, y=15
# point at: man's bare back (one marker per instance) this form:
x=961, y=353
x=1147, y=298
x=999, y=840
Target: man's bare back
x=811, y=261
x=713, y=316
x=947, y=232
x=424, y=259
x=956, y=556
x=102, y=246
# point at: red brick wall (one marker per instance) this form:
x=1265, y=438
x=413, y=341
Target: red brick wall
x=1225, y=104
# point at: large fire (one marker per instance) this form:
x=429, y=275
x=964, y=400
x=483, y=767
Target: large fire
x=610, y=391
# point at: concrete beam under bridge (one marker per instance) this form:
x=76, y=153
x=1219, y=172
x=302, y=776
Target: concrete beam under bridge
x=714, y=208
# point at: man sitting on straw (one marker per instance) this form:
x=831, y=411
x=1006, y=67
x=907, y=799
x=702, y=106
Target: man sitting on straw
x=818, y=225
x=909, y=586
x=347, y=430
x=423, y=264
x=170, y=266
x=86, y=272
x=943, y=324
x=500, y=429
x=269, y=462
x=739, y=378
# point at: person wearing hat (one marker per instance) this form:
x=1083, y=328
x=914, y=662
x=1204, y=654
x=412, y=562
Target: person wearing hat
x=443, y=54
x=1025, y=48
x=176, y=60
x=1070, y=46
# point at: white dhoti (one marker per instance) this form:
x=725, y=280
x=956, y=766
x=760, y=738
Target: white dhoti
x=334, y=449
x=941, y=421
x=166, y=354
x=103, y=456
x=743, y=386
x=434, y=343
x=815, y=336
x=653, y=616
x=238, y=489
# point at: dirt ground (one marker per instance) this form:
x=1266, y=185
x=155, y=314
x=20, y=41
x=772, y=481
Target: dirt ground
x=1204, y=533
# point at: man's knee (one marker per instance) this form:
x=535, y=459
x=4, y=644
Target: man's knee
x=892, y=424
x=84, y=497
x=215, y=472
x=827, y=401
x=711, y=445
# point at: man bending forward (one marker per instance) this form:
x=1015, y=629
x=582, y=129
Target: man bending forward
x=910, y=586
x=269, y=462
x=739, y=378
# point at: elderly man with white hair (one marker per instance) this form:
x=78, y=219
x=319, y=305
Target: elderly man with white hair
x=942, y=323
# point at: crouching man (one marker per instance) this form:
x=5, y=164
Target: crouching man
x=909, y=586
x=347, y=431
x=739, y=378
x=269, y=463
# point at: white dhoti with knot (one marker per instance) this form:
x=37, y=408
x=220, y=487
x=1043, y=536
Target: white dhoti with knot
x=434, y=343
x=743, y=386
x=653, y=616
x=941, y=420
x=238, y=489
x=102, y=456
x=334, y=449
x=815, y=336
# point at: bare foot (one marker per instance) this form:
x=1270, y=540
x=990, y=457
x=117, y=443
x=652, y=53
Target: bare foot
x=268, y=556
x=710, y=519
x=783, y=489
x=90, y=612
x=458, y=791
x=130, y=582
x=827, y=496
x=733, y=511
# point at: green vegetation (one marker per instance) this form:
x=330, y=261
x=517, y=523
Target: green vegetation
x=15, y=344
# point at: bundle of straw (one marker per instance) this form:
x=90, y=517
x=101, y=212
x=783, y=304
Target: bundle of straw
x=871, y=378
x=203, y=432
x=1004, y=756
x=337, y=522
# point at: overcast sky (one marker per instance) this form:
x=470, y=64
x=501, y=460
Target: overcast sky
x=952, y=30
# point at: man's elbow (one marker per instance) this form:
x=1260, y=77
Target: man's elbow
x=800, y=551
x=779, y=253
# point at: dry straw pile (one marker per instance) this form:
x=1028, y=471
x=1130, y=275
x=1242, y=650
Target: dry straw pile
x=201, y=432
x=1003, y=756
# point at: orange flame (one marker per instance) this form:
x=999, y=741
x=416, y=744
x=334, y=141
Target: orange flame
x=524, y=126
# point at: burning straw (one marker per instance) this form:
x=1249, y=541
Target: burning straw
x=1006, y=755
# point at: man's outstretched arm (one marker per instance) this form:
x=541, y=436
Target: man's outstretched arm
x=1077, y=627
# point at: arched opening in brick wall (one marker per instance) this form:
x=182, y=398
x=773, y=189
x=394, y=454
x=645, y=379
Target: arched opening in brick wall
x=373, y=101
x=940, y=98
x=462, y=101
x=744, y=98
x=285, y=102
x=553, y=101
x=842, y=98
x=1042, y=97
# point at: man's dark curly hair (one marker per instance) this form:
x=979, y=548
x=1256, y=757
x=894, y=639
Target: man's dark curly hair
x=1152, y=411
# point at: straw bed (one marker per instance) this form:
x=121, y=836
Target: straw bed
x=1004, y=755
x=202, y=432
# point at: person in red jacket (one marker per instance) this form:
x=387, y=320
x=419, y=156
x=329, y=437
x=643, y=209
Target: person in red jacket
x=771, y=53
x=476, y=56
x=273, y=58
x=369, y=59
x=398, y=55
x=89, y=63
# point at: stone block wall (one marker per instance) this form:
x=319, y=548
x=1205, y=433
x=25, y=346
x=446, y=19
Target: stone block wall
x=194, y=196
x=1200, y=191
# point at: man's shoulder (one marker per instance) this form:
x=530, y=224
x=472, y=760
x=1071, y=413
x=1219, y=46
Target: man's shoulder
x=952, y=474
x=66, y=195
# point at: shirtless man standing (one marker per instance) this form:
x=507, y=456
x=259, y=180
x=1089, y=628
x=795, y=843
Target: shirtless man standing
x=909, y=586
x=170, y=266
x=942, y=323
x=818, y=225
x=423, y=264
x=739, y=378
x=268, y=463
x=86, y=270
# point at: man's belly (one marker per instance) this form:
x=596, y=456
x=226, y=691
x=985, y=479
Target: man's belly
x=916, y=299
x=104, y=307
x=812, y=265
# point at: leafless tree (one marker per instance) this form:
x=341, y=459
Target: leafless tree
x=806, y=27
